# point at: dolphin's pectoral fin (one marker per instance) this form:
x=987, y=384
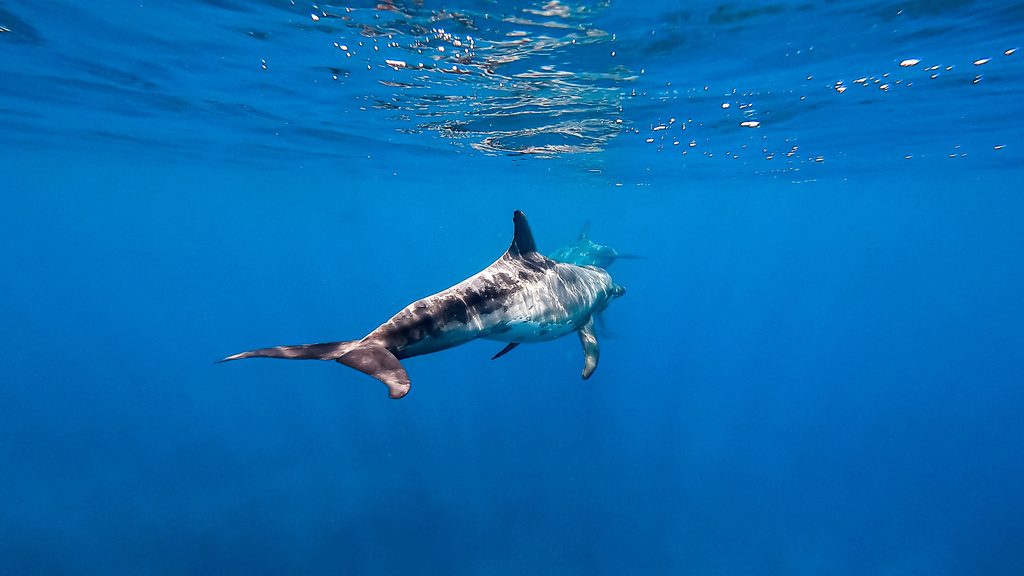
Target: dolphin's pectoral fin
x=374, y=359
x=601, y=325
x=590, y=349
x=505, y=350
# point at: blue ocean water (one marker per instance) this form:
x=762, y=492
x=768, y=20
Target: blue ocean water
x=816, y=368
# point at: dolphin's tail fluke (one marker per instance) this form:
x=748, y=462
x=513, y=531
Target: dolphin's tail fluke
x=374, y=359
x=367, y=356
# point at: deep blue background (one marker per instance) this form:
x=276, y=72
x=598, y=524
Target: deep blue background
x=816, y=368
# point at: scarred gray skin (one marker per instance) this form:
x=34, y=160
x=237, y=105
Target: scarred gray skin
x=522, y=297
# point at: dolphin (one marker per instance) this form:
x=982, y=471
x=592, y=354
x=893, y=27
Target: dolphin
x=586, y=253
x=522, y=297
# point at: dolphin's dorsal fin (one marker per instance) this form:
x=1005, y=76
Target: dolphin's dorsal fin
x=522, y=240
x=586, y=231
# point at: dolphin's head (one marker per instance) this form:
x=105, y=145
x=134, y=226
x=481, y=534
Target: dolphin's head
x=607, y=288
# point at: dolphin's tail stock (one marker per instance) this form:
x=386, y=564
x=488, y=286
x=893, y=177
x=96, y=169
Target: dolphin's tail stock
x=367, y=356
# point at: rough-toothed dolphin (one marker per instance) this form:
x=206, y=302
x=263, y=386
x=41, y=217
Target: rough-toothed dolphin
x=522, y=297
x=586, y=253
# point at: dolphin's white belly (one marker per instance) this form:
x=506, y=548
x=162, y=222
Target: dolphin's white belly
x=526, y=331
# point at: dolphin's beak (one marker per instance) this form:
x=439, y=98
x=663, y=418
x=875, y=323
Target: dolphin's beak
x=617, y=290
